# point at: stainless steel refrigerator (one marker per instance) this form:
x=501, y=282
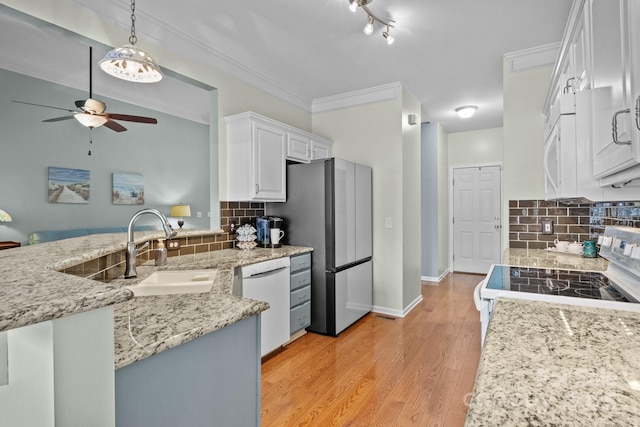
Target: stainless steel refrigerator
x=329, y=208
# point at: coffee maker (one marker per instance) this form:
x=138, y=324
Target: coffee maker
x=263, y=232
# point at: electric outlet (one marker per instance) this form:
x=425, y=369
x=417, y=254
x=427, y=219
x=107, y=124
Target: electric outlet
x=173, y=245
x=547, y=226
x=198, y=214
x=388, y=223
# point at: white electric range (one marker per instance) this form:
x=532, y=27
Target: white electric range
x=618, y=287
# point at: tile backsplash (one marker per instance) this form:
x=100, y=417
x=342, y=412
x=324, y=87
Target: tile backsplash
x=238, y=213
x=577, y=222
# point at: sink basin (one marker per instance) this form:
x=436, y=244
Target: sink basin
x=175, y=282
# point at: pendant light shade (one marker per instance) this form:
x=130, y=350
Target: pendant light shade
x=130, y=63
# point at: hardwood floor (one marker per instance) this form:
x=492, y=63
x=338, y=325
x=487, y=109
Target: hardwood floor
x=380, y=372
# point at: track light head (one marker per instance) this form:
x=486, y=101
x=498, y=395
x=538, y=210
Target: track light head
x=388, y=36
x=368, y=29
x=353, y=5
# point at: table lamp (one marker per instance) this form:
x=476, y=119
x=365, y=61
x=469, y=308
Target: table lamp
x=180, y=211
x=4, y=217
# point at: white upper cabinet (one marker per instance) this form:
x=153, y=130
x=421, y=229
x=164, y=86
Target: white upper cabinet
x=255, y=159
x=320, y=148
x=298, y=147
x=612, y=147
x=257, y=152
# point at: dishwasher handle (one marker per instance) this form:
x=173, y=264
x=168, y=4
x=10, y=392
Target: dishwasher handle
x=265, y=273
x=477, y=299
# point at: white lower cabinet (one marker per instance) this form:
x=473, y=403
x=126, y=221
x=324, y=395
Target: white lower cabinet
x=60, y=373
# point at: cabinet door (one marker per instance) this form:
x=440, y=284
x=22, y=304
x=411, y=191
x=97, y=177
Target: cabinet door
x=609, y=77
x=298, y=147
x=269, y=162
x=634, y=46
x=320, y=150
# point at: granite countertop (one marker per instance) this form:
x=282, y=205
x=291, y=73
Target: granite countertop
x=147, y=325
x=32, y=291
x=548, y=259
x=554, y=364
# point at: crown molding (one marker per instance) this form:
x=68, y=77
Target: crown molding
x=358, y=97
x=527, y=59
x=177, y=41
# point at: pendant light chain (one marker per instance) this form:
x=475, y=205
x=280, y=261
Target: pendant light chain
x=133, y=39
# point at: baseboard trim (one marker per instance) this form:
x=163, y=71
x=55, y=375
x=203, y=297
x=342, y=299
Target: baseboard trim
x=435, y=279
x=397, y=313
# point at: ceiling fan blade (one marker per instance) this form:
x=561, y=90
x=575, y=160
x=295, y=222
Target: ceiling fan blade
x=129, y=118
x=46, y=106
x=115, y=126
x=57, y=119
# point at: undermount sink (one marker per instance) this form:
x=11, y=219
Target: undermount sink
x=175, y=282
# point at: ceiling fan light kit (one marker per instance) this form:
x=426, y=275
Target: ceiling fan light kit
x=371, y=18
x=130, y=63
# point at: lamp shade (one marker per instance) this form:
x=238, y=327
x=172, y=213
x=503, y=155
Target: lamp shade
x=180, y=210
x=4, y=217
x=130, y=63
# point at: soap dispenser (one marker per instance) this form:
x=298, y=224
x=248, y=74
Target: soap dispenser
x=161, y=253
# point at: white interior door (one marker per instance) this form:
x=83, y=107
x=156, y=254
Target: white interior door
x=476, y=218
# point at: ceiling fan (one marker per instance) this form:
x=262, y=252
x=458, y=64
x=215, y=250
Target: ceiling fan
x=91, y=112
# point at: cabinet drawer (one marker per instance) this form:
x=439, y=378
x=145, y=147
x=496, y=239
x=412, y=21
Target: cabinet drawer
x=300, y=262
x=300, y=317
x=300, y=279
x=300, y=296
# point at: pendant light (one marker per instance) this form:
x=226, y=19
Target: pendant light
x=130, y=63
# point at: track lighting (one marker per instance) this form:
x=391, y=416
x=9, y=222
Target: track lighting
x=368, y=29
x=387, y=36
x=371, y=17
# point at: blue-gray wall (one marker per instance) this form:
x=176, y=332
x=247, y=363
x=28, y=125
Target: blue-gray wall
x=429, y=202
x=173, y=156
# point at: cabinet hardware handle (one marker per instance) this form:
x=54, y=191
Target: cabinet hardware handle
x=614, y=128
x=569, y=85
x=638, y=112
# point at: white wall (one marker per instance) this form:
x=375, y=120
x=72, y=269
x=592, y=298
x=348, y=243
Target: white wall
x=442, y=138
x=411, y=211
x=524, y=94
x=373, y=135
x=476, y=147
x=233, y=95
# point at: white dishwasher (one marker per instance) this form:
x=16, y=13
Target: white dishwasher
x=268, y=281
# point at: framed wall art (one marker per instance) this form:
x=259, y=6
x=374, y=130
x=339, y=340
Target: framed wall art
x=128, y=189
x=68, y=185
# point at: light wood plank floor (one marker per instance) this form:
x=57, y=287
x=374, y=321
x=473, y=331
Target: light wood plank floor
x=415, y=371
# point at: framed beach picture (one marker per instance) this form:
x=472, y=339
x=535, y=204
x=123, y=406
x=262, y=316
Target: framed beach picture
x=68, y=185
x=128, y=189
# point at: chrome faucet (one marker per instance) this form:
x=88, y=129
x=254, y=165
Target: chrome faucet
x=132, y=251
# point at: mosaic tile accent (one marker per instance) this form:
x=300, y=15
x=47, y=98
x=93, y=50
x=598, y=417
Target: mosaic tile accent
x=578, y=222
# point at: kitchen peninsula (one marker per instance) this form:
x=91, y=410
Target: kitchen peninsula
x=555, y=364
x=104, y=326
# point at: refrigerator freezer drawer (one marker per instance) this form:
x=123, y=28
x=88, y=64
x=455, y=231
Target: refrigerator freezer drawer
x=353, y=294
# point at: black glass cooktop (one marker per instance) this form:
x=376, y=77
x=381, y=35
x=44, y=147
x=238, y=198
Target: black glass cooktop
x=570, y=283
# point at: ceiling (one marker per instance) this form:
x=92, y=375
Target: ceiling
x=447, y=53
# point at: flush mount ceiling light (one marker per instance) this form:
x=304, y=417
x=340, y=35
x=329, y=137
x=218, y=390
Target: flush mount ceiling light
x=371, y=18
x=4, y=217
x=466, y=111
x=130, y=63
